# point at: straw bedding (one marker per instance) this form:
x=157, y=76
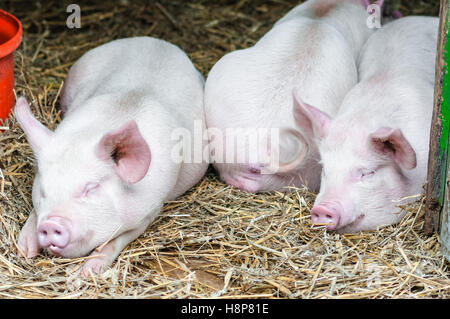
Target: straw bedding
x=214, y=241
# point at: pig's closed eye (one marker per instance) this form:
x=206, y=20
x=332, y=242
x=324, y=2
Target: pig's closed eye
x=366, y=173
x=90, y=189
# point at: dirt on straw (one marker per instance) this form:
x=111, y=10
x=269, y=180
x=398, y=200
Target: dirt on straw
x=214, y=241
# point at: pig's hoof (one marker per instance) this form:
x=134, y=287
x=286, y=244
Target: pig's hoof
x=28, y=245
x=94, y=266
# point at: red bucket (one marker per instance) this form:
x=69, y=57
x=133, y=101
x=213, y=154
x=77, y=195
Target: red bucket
x=10, y=38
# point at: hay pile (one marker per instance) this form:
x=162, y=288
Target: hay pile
x=214, y=241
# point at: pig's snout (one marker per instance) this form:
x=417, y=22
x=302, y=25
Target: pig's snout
x=326, y=215
x=53, y=234
x=242, y=184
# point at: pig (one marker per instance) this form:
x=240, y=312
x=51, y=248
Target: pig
x=374, y=152
x=313, y=48
x=106, y=170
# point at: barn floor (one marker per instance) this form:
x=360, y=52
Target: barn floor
x=214, y=241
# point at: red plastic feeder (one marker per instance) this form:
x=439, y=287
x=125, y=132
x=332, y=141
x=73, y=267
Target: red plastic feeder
x=10, y=38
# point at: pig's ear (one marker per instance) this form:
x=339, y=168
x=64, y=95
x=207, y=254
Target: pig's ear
x=291, y=153
x=312, y=121
x=128, y=150
x=392, y=143
x=37, y=134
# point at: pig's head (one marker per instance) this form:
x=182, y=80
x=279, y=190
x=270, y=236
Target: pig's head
x=84, y=190
x=364, y=171
x=271, y=160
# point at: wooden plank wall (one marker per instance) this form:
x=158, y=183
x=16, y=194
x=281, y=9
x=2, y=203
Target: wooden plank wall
x=437, y=190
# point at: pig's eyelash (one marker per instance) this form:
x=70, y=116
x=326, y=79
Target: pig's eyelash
x=367, y=173
x=89, y=187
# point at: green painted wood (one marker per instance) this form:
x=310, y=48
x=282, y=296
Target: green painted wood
x=439, y=134
x=444, y=144
x=438, y=183
x=445, y=225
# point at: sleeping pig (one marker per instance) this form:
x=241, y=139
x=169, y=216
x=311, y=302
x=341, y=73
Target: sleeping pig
x=106, y=170
x=375, y=151
x=254, y=142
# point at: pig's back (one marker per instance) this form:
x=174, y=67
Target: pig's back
x=404, y=47
x=349, y=17
x=143, y=64
x=396, y=74
x=253, y=87
x=397, y=69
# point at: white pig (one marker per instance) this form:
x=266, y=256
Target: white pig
x=314, y=49
x=375, y=151
x=106, y=170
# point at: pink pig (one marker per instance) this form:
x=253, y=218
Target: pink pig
x=374, y=153
x=106, y=170
x=314, y=48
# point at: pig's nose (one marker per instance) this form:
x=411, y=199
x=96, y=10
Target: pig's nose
x=232, y=181
x=323, y=215
x=53, y=234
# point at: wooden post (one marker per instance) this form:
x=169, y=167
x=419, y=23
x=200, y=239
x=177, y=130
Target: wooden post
x=437, y=191
x=445, y=224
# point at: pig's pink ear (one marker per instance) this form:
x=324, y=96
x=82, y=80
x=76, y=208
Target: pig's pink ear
x=391, y=142
x=129, y=151
x=297, y=153
x=37, y=134
x=312, y=121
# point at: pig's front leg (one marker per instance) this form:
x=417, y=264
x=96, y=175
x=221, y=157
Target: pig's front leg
x=28, y=240
x=103, y=257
